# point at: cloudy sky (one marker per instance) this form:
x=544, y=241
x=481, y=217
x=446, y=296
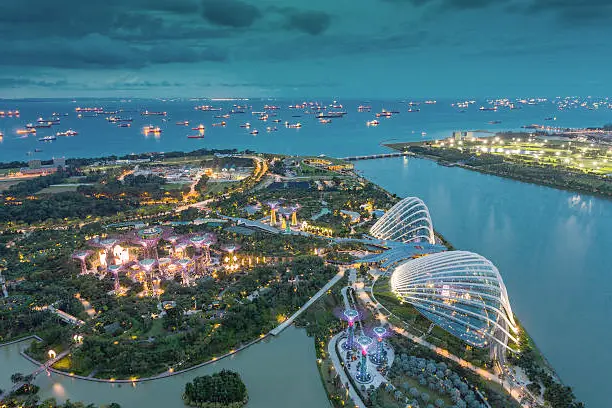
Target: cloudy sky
x=349, y=48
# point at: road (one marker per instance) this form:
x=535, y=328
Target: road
x=278, y=329
x=331, y=350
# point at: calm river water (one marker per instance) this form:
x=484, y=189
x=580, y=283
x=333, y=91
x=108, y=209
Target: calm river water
x=281, y=372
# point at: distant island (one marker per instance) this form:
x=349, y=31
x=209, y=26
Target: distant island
x=220, y=390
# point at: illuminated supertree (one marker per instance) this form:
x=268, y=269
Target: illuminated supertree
x=186, y=266
x=148, y=238
x=379, y=356
x=294, y=209
x=107, y=245
x=351, y=316
x=273, y=209
x=364, y=343
x=202, y=244
x=231, y=258
x=286, y=214
x=164, y=264
x=173, y=240
x=81, y=256
x=147, y=265
x=114, y=269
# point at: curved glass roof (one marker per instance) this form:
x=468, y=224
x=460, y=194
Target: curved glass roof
x=460, y=291
x=406, y=221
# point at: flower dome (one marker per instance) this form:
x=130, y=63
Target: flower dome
x=461, y=292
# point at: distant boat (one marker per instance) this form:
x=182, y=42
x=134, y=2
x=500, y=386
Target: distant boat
x=69, y=132
x=245, y=125
x=195, y=137
x=201, y=128
x=150, y=113
x=183, y=123
x=47, y=139
x=124, y=125
x=321, y=120
x=219, y=124
x=495, y=122
x=293, y=125
x=372, y=123
x=482, y=108
x=254, y=132
x=413, y=110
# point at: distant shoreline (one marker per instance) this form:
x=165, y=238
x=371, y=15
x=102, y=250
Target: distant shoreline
x=531, y=179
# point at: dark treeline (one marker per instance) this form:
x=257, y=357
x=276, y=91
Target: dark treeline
x=224, y=388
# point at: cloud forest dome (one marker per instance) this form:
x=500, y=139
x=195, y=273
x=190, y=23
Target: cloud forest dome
x=406, y=221
x=460, y=291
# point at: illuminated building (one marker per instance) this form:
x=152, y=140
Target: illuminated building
x=406, y=221
x=461, y=292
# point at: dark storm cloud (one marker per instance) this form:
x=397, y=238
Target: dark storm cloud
x=95, y=51
x=449, y=4
x=21, y=82
x=310, y=22
x=573, y=11
x=230, y=13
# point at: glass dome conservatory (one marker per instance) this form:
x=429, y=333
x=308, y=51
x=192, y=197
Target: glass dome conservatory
x=406, y=221
x=461, y=292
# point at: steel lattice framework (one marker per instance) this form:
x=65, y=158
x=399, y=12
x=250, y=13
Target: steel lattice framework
x=406, y=221
x=460, y=291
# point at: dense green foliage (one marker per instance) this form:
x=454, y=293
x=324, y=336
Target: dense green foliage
x=223, y=389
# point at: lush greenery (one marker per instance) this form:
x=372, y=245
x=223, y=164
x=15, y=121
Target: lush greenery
x=223, y=389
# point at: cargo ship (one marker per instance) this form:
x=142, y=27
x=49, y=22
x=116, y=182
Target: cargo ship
x=69, y=132
x=195, y=137
x=47, y=139
x=201, y=128
x=150, y=113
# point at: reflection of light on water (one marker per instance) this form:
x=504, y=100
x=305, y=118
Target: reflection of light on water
x=58, y=389
x=583, y=206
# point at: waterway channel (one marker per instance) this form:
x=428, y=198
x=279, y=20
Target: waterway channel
x=278, y=372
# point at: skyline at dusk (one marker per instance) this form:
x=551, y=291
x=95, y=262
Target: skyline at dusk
x=373, y=49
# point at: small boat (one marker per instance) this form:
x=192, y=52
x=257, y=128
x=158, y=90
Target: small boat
x=26, y=131
x=413, y=110
x=47, y=139
x=37, y=150
x=183, y=123
x=69, y=132
x=150, y=113
x=321, y=120
x=245, y=125
x=277, y=121
x=124, y=125
x=254, y=132
x=293, y=125
x=219, y=124
x=482, y=108
x=384, y=114
x=226, y=116
x=495, y=122
x=38, y=126
x=200, y=128
x=364, y=108
x=271, y=129
x=195, y=137
x=551, y=118
x=430, y=102
x=372, y=123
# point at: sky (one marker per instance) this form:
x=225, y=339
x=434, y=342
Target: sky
x=304, y=48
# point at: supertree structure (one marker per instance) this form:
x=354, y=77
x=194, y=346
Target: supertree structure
x=81, y=256
x=273, y=209
x=114, y=269
x=351, y=316
x=107, y=245
x=164, y=266
x=231, y=258
x=363, y=376
x=294, y=209
x=148, y=238
x=286, y=214
x=173, y=239
x=147, y=265
x=202, y=245
x=187, y=266
x=379, y=355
